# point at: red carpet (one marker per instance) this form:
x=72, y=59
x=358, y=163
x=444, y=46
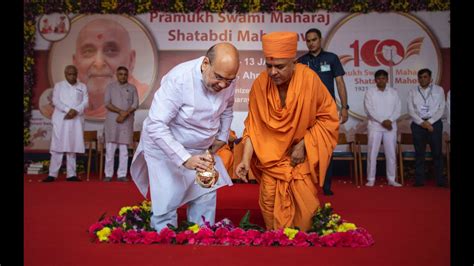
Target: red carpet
x=410, y=226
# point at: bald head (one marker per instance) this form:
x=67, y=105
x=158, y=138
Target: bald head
x=70, y=72
x=220, y=66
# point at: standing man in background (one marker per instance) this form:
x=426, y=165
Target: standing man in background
x=121, y=101
x=70, y=98
x=426, y=103
x=383, y=107
x=328, y=67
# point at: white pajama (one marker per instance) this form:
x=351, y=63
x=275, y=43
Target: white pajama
x=389, y=143
x=110, y=148
x=56, y=161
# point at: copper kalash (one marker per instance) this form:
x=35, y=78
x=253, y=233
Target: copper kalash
x=208, y=178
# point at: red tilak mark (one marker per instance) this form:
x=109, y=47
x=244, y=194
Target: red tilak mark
x=99, y=36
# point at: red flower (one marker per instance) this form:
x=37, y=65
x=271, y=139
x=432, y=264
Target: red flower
x=94, y=228
x=300, y=240
x=314, y=239
x=184, y=236
x=150, y=237
x=222, y=236
x=167, y=235
x=116, y=235
x=132, y=237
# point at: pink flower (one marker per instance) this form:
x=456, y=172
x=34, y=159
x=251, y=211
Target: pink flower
x=132, y=237
x=252, y=237
x=268, y=238
x=222, y=236
x=300, y=240
x=105, y=222
x=167, y=235
x=116, y=235
x=237, y=236
x=314, y=239
x=205, y=236
x=331, y=240
x=94, y=228
x=150, y=237
x=183, y=237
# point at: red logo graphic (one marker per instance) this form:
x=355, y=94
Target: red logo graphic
x=387, y=52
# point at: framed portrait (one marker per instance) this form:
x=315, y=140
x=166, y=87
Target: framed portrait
x=98, y=44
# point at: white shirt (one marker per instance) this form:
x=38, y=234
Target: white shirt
x=68, y=134
x=382, y=105
x=448, y=106
x=185, y=115
x=426, y=103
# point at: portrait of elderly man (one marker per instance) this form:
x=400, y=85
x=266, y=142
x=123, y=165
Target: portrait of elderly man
x=103, y=45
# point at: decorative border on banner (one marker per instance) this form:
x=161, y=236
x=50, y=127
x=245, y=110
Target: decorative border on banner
x=34, y=8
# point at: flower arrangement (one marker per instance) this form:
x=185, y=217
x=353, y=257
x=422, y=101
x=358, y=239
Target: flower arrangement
x=132, y=226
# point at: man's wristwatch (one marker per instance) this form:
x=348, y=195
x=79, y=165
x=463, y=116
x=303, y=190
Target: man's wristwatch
x=345, y=107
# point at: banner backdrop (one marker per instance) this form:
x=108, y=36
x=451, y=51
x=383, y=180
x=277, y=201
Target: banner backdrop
x=153, y=43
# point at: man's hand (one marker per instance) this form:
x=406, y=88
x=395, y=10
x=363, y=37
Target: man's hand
x=200, y=162
x=427, y=125
x=123, y=113
x=298, y=153
x=120, y=119
x=343, y=115
x=242, y=171
x=71, y=114
x=387, y=124
x=216, y=145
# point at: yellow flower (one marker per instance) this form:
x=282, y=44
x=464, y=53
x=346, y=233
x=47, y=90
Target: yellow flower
x=344, y=227
x=103, y=234
x=146, y=206
x=194, y=228
x=290, y=232
x=327, y=205
x=124, y=210
x=327, y=232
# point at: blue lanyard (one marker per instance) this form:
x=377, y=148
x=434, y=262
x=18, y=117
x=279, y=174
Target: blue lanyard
x=429, y=93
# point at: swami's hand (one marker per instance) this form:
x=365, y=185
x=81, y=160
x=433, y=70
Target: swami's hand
x=242, y=171
x=200, y=162
x=298, y=154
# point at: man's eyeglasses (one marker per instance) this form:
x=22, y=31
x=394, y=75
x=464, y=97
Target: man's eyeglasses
x=219, y=77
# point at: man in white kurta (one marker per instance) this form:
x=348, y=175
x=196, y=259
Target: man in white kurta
x=190, y=113
x=426, y=104
x=70, y=98
x=121, y=101
x=383, y=106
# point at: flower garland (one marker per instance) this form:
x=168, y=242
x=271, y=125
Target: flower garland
x=132, y=226
x=34, y=8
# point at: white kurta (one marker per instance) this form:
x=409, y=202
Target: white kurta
x=184, y=119
x=68, y=134
x=380, y=106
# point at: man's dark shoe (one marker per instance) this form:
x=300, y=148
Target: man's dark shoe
x=444, y=184
x=49, y=179
x=74, y=179
x=328, y=192
x=122, y=179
